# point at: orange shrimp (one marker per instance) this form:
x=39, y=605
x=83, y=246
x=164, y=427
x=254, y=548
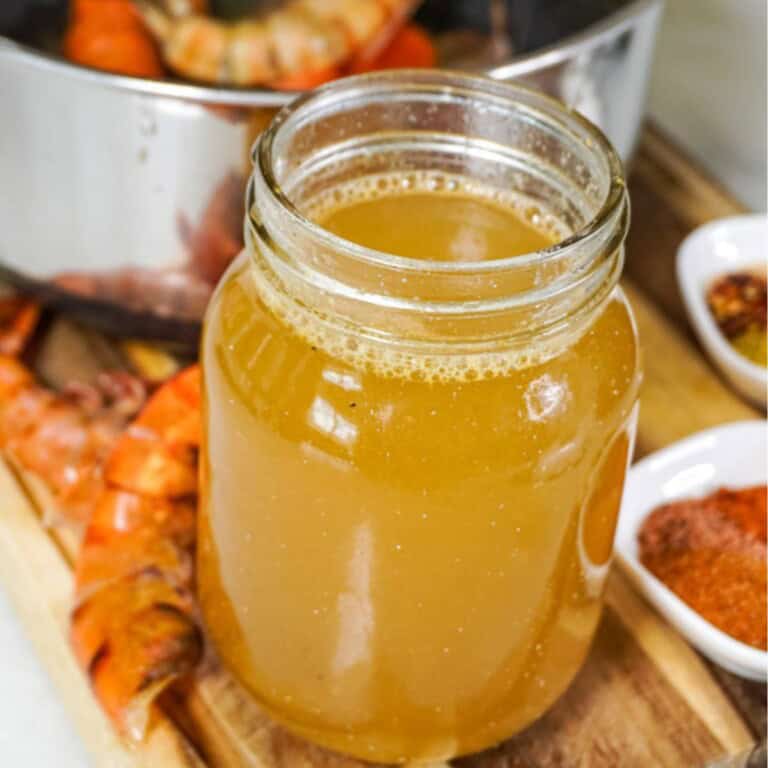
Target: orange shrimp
x=298, y=45
x=61, y=437
x=18, y=320
x=110, y=35
x=411, y=47
x=134, y=627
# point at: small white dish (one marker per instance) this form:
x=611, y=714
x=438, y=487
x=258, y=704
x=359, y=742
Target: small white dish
x=731, y=455
x=722, y=246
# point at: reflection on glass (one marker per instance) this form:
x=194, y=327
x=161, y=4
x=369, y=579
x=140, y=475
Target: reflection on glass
x=323, y=417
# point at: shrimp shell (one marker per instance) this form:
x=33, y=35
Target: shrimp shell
x=61, y=438
x=134, y=627
x=299, y=39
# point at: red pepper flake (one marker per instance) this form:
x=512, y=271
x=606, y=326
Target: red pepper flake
x=738, y=303
x=711, y=552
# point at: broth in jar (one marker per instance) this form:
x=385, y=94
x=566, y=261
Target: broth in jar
x=402, y=546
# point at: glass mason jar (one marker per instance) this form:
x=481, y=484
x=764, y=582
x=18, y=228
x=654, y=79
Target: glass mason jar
x=413, y=468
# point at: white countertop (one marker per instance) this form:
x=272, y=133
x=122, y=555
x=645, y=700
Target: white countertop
x=35, y=731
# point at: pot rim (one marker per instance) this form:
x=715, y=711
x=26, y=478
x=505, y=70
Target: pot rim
x=592, y=36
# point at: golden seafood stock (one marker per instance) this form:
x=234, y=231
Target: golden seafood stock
x=402, y=551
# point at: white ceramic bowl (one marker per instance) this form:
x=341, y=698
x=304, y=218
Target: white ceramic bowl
x=732, y=455
x=723, y=246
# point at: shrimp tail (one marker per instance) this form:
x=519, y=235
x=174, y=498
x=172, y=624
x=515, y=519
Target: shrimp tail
x=134, y=628
x=135, y=637
x=18, y=320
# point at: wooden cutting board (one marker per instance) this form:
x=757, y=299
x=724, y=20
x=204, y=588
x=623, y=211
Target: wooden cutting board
x=644, y=698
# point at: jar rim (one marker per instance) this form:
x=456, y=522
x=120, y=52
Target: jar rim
x=448, y=82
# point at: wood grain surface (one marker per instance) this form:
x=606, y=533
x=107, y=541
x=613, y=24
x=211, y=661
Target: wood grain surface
x=618, y=712
x=643, y=699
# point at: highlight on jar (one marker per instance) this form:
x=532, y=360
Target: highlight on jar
x=420, y=381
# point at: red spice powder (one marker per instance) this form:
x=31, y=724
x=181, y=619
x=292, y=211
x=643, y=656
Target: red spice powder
x=712, y=553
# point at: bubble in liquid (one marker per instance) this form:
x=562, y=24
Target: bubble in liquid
x=386, y=361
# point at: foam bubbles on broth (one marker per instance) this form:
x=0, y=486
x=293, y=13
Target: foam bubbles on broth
x=376, y=186
x=396, y=360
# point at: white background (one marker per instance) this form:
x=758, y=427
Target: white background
x=35, y=731
x=709, y=88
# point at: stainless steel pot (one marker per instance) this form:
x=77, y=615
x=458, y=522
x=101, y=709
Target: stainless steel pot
x=123, y=196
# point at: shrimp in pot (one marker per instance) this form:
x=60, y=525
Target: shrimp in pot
x=134, y=627
x=110, y=35
x=298, y=45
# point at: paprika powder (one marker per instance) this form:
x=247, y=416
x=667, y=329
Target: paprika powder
x=711, y=552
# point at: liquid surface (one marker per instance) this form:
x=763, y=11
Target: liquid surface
x=434, y=224
x=395, y=567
